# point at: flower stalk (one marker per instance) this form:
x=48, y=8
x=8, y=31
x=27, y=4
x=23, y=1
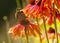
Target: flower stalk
x=39, y=28
x=56, y=28
x=18, y=4
x=45, y=30
x=26, y=35
x=55, y=23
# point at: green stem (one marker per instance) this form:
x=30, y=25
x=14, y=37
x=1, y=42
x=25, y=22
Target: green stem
x=25, y=2
x=56, y=28
x=55, y=23
x=18, y=3
x=26, y=35
x=45, y=30
x=39, y=28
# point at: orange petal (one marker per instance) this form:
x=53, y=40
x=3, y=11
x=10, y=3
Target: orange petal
x=31, y=1
x=46, y=11
x=32, y=11
x=48, y=3
x=28, y=31
x=58, y=16
x=51, y=36
x=43, y=37
x=57, y=2
x=35, y=27
x=51, y=20
x=23, y=34
x=31, y=30
x=59, y=34
x=16, y=30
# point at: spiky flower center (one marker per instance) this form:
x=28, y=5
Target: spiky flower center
x=24, y=22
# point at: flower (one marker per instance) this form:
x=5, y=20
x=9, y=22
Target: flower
x=51, y=33
x=19, y=29
x=51, y=30
x=35, y=11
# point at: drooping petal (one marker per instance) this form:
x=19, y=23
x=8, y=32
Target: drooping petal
x=48, y=3
x=46, y=6
x=59, y=34
x=35, y=11
x=16, y=30
x=46, y=11
x=32, y=11
x=32, y=2
x=28, y=31
x=31, y=30
x=36, y=28
x=51, y=20
x=23, y=34
x=51, y=36
x=57, y=2
x=26, y=10
x=58, y=16
x=38, y=2
x=43, y=37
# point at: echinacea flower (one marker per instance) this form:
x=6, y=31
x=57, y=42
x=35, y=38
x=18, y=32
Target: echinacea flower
x=33, y=11
x=51, y=33
x=18, y=30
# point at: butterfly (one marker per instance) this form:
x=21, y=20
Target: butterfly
x=19, y=14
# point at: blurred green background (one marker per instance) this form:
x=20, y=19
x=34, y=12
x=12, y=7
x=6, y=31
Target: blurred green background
x=7, y=18
x=6, y=7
